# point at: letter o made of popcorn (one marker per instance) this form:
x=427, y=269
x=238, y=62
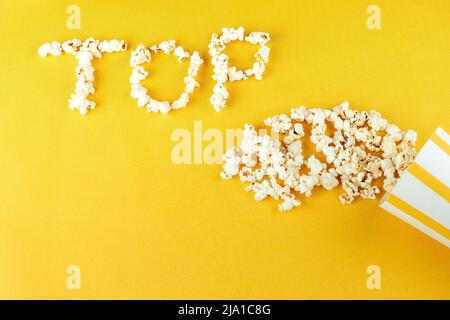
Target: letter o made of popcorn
x=141, y=56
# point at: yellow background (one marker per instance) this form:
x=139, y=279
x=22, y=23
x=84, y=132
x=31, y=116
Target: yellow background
x=101, y=191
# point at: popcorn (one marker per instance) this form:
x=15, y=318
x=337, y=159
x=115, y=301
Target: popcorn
x=71, y=46
x=53, y=48
x=363, y=148
x=260, y=38
x=328, y=181
x=140, y=56
x=84, y=52
x=258, y=70
x=389, y=147
x=280, y=123
x=91, y=45
x=289, y=203
x=89, y=49
x=223, y=73
x=315, y=166
x=219, y=96
x=165, y=46
x=180, y=53
x=377, y=122
x=263, y=54
x=194, y=64
x=143, y=55
x=110, y=46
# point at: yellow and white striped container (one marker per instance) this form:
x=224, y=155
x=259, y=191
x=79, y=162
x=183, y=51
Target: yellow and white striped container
x=421, y=196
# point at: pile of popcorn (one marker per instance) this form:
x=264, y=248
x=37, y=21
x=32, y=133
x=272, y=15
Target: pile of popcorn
x=362, y=148
x=85, y=52
x=143, y=55
x=224, y=73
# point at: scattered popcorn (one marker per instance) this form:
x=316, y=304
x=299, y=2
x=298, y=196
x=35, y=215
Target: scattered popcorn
x=143, y=55
x=224, y=73
x=84, y=52
x=362, y=148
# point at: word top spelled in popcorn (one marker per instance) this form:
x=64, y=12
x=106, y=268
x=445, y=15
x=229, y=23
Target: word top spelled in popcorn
x=86, y=51
x=363, y=147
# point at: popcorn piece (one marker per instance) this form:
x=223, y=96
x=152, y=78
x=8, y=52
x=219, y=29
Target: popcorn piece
x=328, y=181
x=181, y=102
x=180, y=53
x=191, y=84
x=223, y=73
x=91, y=45
x=389, y=147
x=260, y=38
x=219, y=97
x=110, y=46
x=289, y=203
x=263, y=54
x=231, y=164
x=143, y=55
x=140, y=56
x=71, y=46
x=53, y=48
x=165, y=46
x=377, y=122
x=315, y=166
x=84, y=52
x=280, y=124
x=194, y=64
x=258, y=69
x=346, y=199
x=362, y=148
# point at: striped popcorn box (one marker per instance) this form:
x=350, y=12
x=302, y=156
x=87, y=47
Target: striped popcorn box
x=421, y=196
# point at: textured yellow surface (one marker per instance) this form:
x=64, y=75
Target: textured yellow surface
x=102, y=193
